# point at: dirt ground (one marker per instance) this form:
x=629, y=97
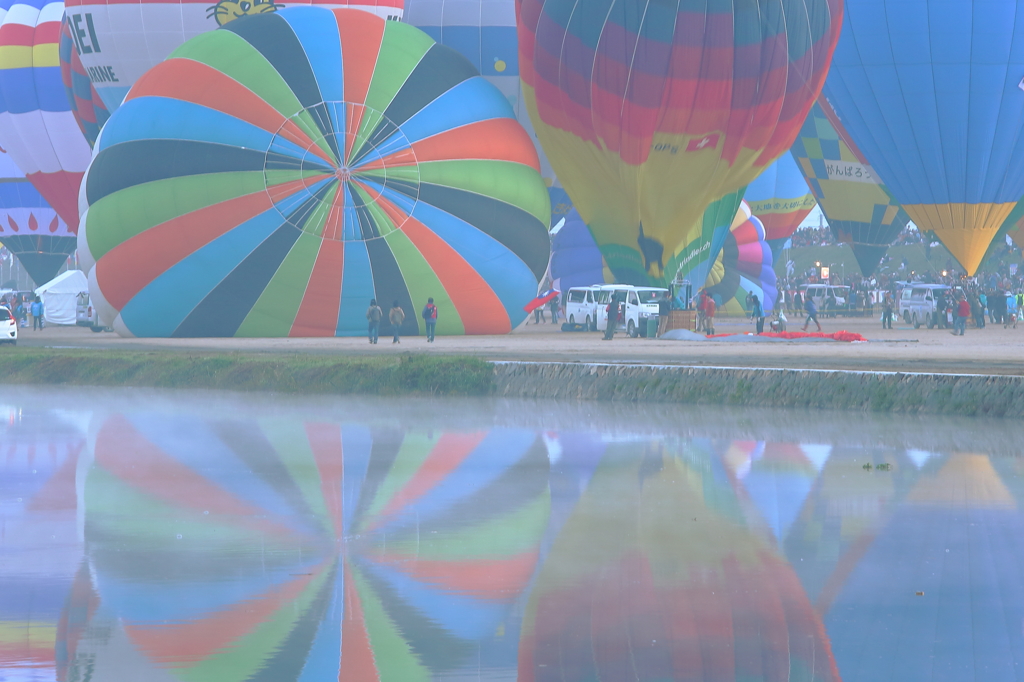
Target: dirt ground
x=992, y=350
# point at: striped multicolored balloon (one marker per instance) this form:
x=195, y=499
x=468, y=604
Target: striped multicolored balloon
x=37, y=127
x=273, y=176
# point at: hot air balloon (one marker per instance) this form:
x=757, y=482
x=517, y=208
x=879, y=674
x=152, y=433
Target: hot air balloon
x=484, y=32
x=781, y=199
x=309, y=551
x=859, y=209
x=655, y=576
x=696, y=262
x=930, y=93
x=389, y=171
x=575, y=258
x=650, y=111
x=86, y=104
x=29, y=228
x=37, y=127
x=118, y=42
x=743, y=266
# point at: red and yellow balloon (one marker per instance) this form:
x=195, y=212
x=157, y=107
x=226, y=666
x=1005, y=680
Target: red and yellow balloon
x=650, y=111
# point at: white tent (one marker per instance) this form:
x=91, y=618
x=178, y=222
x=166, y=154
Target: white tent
x=60, y=296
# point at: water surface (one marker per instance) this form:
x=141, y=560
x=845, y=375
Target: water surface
x=184, y=536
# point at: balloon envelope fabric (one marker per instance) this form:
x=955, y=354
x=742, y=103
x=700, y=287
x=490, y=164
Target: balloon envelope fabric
x=860, y=210
x=37, y=127
x=86, y=104
x=929, y=91
x=273, y=176
x=649, y=111
x=119, y=41
x=29, y=227
x=781, y=199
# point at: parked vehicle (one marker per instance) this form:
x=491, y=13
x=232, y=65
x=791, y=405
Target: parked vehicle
x=86, y=314
x=641, y=303
x=820, y=294
x=650, y=308
x=918, y=303
x=8, y=327
x=581, y=306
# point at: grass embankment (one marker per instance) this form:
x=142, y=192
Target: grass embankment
x=402, y=375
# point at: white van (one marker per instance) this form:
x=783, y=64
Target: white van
x=650, y=305
x=641, y=303
x=919, y=303
x=581, y=306
x=819, y=293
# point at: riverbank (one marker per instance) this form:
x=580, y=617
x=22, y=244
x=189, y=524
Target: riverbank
x=422, y=374
x=414, y=374
x=993, y=350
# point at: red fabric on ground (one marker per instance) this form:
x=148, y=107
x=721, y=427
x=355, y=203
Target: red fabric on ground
x=835, y=336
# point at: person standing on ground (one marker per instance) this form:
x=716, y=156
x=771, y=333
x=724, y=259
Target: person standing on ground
x=812, y=313
x=757, y=311
x=702, y=296
x=430, y=317
x=887, y=312
x=963, y=311
x=613, y=318
x=709, y=315
x=373, y=315
x=37, y=314
x=553, y=305
x=664, y=310
x=396, y=316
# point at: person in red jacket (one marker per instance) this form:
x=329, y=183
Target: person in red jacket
x=709, y=315
x=963, y=311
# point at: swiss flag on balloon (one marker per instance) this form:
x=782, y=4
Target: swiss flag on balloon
x=706, y=142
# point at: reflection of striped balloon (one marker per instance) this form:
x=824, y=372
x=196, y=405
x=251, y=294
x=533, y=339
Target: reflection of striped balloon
x=655, y=577
x=37, y=127
x=305, y=551
x=372, y=163
x=89, y=110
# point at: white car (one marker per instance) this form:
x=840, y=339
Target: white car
x=86, y=314
x=8, y=327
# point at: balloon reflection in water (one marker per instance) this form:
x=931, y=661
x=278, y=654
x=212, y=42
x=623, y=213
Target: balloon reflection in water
x=656, y=576
x=39, y=547
x=234, y=550
x=947, y=564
